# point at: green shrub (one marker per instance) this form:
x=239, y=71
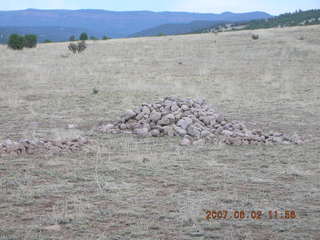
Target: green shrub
x=30, y=40
x=47, y=41
x=106, y=38
x=84, y=37
x=16, y=42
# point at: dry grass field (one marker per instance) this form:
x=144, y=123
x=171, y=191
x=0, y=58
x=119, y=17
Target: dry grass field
x=123, y=187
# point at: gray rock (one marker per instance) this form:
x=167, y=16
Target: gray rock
x=155, y=116
x=128, y=115
x=155, y=133
x=199, y=142
x=169, y=131
x=205, y=133
x=174, y=107
x=193, y=131
x=185, y=107
x=146, y=110
x=140, y=116
x=219, y=118
x=184, y=123
x=180, y=131
x=142, y=132
x=167, y=119
x=227, y=133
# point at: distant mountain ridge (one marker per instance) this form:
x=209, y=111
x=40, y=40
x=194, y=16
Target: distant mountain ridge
x=110, y=23
x=297, y=18
x=176, y=28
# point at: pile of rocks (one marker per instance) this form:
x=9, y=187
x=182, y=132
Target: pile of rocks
x=194, y=121
x=32, y=146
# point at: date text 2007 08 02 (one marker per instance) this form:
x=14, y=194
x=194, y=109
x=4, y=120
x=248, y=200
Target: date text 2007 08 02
x=226, y=214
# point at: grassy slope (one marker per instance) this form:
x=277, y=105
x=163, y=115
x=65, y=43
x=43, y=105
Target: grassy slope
x=153, y=188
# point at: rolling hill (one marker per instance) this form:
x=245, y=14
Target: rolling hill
x=176, y=28
x=298, y=18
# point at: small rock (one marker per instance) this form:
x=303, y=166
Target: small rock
x=193, y=131
x=227, y=133
x=106, y=128
x=128, y=115
x=185, y=142
x=220, y=118
x=199, y=142
x=205, y=133
x=142, y=132
x=155, y=116
x=71, y=126
x=174, y=107
x=169, y=131
x=184, y=123
x=180, y=131
x=155, y=133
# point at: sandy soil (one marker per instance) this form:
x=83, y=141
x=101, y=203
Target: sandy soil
x=122, y=187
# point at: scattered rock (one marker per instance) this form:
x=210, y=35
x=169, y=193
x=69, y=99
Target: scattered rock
x=25, y=146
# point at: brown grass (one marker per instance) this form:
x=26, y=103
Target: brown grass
x=128, y=188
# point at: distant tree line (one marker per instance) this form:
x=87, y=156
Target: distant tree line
x=84, y=36
x=18, y=42
x=298, y=18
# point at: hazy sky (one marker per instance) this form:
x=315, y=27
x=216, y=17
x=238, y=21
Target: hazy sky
x=208, y=6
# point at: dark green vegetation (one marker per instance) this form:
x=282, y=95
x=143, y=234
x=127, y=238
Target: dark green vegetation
x=298, y=18
x=53, y=33
x=30, y=40
x=16, y=42
x=84, y=36
x=310, y=17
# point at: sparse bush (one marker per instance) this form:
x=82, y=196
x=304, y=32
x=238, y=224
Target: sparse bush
x=84, y=37
x=72, y=38
x=255, y=36
x=16, y=42
x=105, y=37
x=73, y=47
x=30, y=40
x=82, y=46
x=77, y=48
x=47, y=41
